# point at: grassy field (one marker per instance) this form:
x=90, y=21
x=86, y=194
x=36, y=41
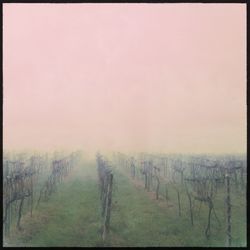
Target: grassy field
x=71, y=217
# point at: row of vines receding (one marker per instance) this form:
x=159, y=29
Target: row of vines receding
x=196, y=181
x=28, y=180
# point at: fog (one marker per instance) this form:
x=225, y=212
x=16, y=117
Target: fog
x=131, y=77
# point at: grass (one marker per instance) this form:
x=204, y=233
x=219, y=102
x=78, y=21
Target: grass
x=71, y=217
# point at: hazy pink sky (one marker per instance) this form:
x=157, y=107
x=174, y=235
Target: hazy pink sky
x=160, y=77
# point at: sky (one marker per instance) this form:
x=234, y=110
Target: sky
x=145, y=77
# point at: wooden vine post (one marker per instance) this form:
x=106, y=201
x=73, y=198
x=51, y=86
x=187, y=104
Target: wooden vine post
x=156, y=170
x=106, y=223
x=179, y=202
x=190, y=204
x=228, y=203
x=132, y=166
x=105, y=185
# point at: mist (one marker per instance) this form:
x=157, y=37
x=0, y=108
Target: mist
x=133, y=77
